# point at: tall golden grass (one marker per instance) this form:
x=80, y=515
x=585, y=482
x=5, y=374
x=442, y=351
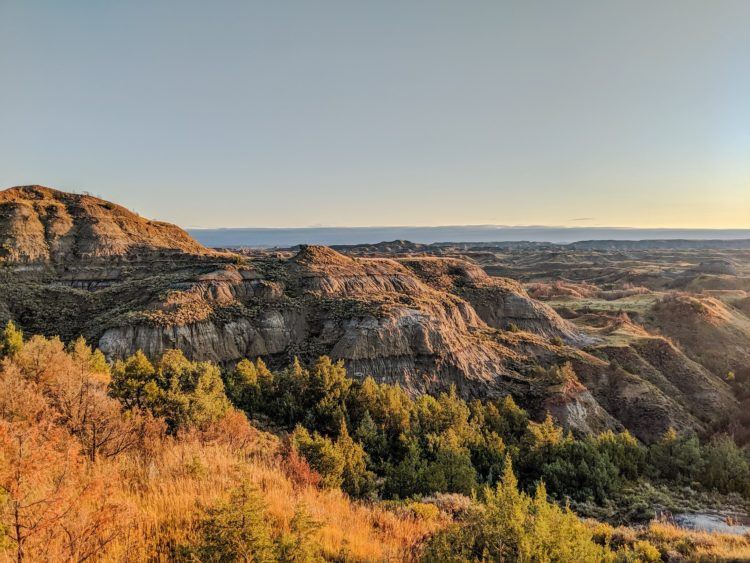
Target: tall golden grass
x=675, y=543
x=163, y=502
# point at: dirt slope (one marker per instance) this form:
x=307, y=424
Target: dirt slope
x=42, y=225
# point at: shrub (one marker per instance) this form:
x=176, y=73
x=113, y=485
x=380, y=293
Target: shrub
x=341, y=464
x=725, y=466
x=357, y=480
x=236, y=529
x=511, y=525
x=297, y=468
x=578, y=469
x=451, y=470
x=186, y=394
x=676, y=457
x=242, y=385
x=11, y=341
x=322, y=455
x=452, y=504
x=645, y=551
x=299, y=545
x=624, y=451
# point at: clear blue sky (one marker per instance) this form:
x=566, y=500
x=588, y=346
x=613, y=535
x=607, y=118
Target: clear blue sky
x=283, y=113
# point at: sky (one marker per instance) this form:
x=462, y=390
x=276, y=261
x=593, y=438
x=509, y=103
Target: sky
x=339, y=113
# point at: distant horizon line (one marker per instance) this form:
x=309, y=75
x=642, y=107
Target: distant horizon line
x=285, y=237
x=487, y=226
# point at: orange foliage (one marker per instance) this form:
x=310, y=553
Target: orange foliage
x=83, y=479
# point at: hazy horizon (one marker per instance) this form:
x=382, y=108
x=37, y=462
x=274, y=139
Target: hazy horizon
x=285, y=237
x=295, y=114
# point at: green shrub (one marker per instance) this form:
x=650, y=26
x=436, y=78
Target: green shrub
x=341, y=463
x=186, y=394
x=237, y=529
x=322, y=455
x=11, y=341
x=299, y=545
x=676, y=457
x=725, y=466
x=512, y=526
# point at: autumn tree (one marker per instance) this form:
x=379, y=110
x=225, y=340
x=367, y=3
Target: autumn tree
x=76, y=391
x=41, y=359
x=47, y=490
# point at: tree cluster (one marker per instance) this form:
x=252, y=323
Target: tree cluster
x=374, y=439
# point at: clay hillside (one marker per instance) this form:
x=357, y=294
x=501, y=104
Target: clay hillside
x=40, y=225
x=77, y=265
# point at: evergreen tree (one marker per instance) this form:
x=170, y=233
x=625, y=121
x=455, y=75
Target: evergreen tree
x=406, y=478
x=322, y=455
x=676, y=457
x=451, y=469
x=237, y=530
x=186, y=394
x=511, y=526
x=725, y=466
x=624, y=452
x=299, y=546
x=357, y=480
x=242, y=386
x=12, y=340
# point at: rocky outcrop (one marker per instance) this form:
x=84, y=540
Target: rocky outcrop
x=130, y=284
x=648, y=383
x=271, y=333
x=40, y=225
x=500, y=302
x=575, y=407
x=636, y=403
x=372, y=313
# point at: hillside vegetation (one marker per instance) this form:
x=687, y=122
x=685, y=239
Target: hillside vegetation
x=144, y=460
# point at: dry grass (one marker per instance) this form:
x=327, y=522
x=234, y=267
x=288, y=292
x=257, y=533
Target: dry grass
x=675, y=543
x=165, y=501
x=698, y=545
